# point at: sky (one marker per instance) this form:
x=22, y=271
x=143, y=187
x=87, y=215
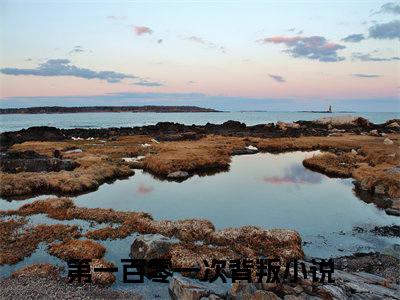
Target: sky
x=232, y=55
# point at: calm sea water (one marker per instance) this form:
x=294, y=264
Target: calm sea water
x=102, y=120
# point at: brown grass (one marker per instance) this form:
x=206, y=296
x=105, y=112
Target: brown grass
x=77, y=249
x=17, y=242
x=244, y=240
x=332, y=164
x=191, y=156
x=38, y=270
x=101, y=161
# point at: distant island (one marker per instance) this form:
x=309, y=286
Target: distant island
x=93, y=109
x=328, y=111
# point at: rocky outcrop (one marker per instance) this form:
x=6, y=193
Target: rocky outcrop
x=30, y=161
x=190, y=289
x=347, y=285
x=170, y=131
x=343, y=120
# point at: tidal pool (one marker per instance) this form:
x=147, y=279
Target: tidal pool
x=266, y=190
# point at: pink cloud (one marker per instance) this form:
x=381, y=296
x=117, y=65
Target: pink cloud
x=142, y=189
x=280, y=40
x=142, y=30
x=281, y=180
x=312, y=47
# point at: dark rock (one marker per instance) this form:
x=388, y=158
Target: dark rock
x=392, y=230
x=169, y=131
x=191, y=289
x=30, y=161
x=244, y=151
x=392, y=211
x=178, y=175
x=152, y=246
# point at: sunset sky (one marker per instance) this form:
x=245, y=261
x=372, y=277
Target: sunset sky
x=247, y=55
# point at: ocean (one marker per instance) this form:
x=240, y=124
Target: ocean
x=15, y=122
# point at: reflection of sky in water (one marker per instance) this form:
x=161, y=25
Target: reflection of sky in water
x=295, y=174
x=267, y=190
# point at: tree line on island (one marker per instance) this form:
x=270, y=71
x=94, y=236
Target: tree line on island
x=87, y=109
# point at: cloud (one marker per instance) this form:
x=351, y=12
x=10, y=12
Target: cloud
x=390, y=30
x=76, y=49
x=369, y=57
x=390, y=8
x=366, y=75
x=63, y=67
x=354, y=38
x=140, y=30
x=196, y=39
x=117, y=18
x=277, y=78
x=199, y=40
x=291, y=29
x=144, y=82
x=313, y=47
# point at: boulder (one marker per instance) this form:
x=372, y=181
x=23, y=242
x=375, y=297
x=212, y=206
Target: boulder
x=244, y=290
x=374, y=132
x=74, y=151
x=380, y=189
x=151, y=246
x=178, y=175
x=184, y=288
x=31, y=161
x=284, y=125
x=393, y=125
x=393, y=170
x=388, y=141
x=247, y=150
x=343, y=120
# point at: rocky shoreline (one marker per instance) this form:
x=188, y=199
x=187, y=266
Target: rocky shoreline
x=168, y=131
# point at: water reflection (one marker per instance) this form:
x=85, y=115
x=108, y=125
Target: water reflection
x=295, y=174
x=143, y=189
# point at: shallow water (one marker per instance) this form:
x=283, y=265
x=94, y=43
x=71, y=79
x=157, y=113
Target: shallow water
x=103, y=120
x=266, y=190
